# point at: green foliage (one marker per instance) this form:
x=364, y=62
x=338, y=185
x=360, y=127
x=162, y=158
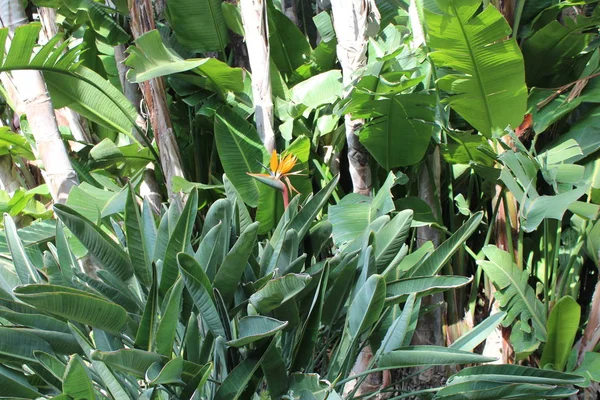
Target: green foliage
x=487, y=88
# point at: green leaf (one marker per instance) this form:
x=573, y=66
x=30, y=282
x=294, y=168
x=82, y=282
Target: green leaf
x=19, y=345
x=240, y=151
x=24, y=268
x=514, y=294
x=55, y=366
x=38, y=321
x=488, y=86
x=136, y=245
x=514, y=374
x=444, y=252
x=77, y=383
x=390, y=239
x=414, y=356
x=484, y=390
x=255, y=327
x=151, y=59
x=93, y=97
x=75, y=305
x=110, y=255
x=199, y=26
x=179, y=241
x=16, y=385
x=394, y=337
x=302, y=221
x=94, y=14
x=169, y=374
x=478, y=334
x=423, y=286
x=60, y=342
x=238, y=380
x=319, y=90
x=366, y=305
x=562, y=325
x=199, y=287
x=15, y=144
x=115, y=387
x=277, y=291
x=589, y=368
x=146, y=332
x=354, y=213
x=401, y=128
x=550, y=53
x=228, y=276
x=131, y=361
x=310, y=386
x=167, y=327
x=289, y=47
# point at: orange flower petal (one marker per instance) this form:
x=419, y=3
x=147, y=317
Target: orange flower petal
x=287, y=164
x=274, y=162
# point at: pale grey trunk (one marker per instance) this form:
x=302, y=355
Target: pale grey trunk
x=154, y=93
x=351, y=22
x=254, y=17
x=58, y=172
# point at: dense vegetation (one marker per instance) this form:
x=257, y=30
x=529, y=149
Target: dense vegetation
x=297, y=199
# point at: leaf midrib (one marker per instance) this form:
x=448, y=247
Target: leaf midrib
x=515, y=284
x=475, y=67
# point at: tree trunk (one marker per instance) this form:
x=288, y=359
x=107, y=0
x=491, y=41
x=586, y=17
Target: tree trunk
x=429, y=327
x=59, y=174
x=350, y=21
x=254, y=18
x=153, y=91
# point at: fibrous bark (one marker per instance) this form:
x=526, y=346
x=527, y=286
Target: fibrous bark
x=254, y=18
x=58, y=172
x=153, y=91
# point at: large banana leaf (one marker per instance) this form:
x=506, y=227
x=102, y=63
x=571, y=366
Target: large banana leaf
x=288, y=45
x=199, y=26
x=401, y=128
x=241, y=151
x=551, y=53
x=150, y=58
x=488, y=86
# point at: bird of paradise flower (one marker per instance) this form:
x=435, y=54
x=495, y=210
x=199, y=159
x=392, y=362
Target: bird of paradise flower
x=279, y=171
